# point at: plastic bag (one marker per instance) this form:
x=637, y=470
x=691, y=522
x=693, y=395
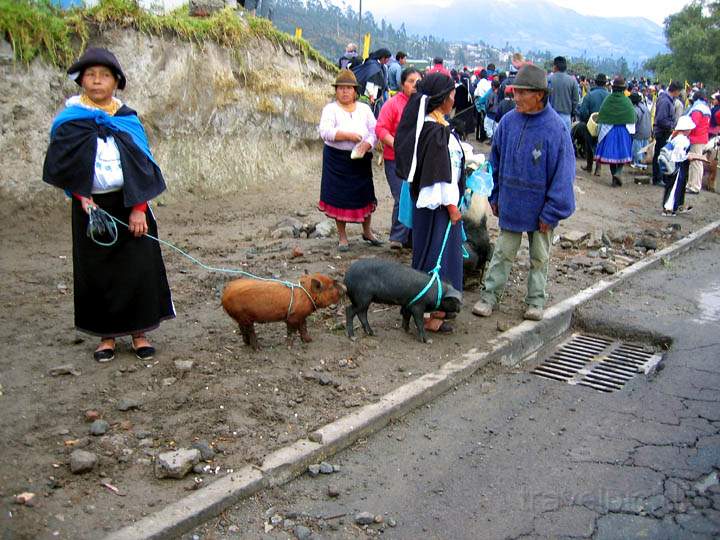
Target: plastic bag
x=406, y=206
x=481, y=181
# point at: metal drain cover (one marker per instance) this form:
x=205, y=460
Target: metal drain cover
x=598, y=362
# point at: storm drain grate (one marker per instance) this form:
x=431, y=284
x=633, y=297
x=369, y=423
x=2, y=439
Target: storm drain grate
x=598, y=362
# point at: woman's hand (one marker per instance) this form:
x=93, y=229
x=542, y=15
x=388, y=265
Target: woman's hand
x=364, y=147
x=137, y=223
x=87, y=204
x=455, y=214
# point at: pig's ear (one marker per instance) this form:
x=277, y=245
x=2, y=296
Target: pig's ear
x=315, y=285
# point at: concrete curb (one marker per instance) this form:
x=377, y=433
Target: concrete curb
x=291, y=461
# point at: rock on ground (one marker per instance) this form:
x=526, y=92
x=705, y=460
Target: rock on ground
x=82, y=461
x=176, y=464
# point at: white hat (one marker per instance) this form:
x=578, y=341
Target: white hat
x=685, y=123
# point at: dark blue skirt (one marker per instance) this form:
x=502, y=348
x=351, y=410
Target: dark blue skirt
x=427, y=235
x=346, y=189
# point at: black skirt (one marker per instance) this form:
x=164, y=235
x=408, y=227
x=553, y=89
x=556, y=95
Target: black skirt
x=121, y=289
x=347, y=192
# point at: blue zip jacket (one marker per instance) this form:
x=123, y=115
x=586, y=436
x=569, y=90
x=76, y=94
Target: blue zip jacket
x=664, y=113
x=533, y=165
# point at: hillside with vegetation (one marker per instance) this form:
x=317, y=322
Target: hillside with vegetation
x=228, y=101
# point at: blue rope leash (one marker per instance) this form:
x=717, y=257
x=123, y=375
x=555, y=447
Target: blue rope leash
x=435, y=273
x=101, y=222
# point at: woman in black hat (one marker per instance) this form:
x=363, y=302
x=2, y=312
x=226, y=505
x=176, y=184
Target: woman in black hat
x=99, y=153
x=428, y=153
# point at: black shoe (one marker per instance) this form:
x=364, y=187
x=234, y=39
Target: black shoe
x=659, y=184
x=616, y=182
x=104, y=355
x=145, y=353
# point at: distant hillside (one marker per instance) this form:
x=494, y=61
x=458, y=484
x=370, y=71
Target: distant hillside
x=532, y=25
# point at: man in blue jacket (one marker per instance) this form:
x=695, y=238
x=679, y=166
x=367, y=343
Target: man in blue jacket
x=533, y=163
x=664, y=124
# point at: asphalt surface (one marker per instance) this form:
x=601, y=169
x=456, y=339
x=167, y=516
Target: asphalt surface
x=512, y=455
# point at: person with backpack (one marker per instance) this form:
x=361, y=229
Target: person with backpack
x=372, y=81
x=673, y=164
x=616, y=119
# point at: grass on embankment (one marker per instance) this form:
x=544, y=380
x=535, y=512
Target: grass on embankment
x=37, y=28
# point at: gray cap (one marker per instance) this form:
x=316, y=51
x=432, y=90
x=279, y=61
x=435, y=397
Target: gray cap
x=530, y=77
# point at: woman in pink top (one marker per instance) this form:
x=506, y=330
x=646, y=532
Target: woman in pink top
x=385, y=130
x=346, y=189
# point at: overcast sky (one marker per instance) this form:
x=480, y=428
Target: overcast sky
x=655, y=10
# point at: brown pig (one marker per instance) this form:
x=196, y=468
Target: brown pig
x=251, y=300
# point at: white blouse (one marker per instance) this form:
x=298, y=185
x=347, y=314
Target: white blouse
x=108, y=168
x=334, y=118
x=444, y=193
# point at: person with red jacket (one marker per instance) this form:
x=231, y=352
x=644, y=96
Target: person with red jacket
x=385, y=129
x=700, y=115
x=438, y=67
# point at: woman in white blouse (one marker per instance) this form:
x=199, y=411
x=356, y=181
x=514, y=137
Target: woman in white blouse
x=429, y=155
x=347, y=193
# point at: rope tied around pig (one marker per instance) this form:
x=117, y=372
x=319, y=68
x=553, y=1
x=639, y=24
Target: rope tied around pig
x=101, y=222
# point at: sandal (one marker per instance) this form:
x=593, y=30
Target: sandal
x=373, y=241
x=146, y=352
x=343, y=248
x=105, y=354
x=439, y=326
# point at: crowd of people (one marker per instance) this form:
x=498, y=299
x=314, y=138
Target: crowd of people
x=601, y=120
x=535, y=124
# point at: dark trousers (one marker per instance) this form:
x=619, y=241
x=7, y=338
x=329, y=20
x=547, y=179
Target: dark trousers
x=398, y=231
x=661, y=139
x=675, y=187
x=480, y=134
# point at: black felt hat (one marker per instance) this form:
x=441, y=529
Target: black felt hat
x=97, y=56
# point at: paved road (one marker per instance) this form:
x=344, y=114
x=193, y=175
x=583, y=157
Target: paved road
x=516, y=456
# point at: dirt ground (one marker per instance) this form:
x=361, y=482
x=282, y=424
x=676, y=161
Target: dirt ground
x=244, y=403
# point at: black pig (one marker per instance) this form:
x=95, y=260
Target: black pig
x=389, y=282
